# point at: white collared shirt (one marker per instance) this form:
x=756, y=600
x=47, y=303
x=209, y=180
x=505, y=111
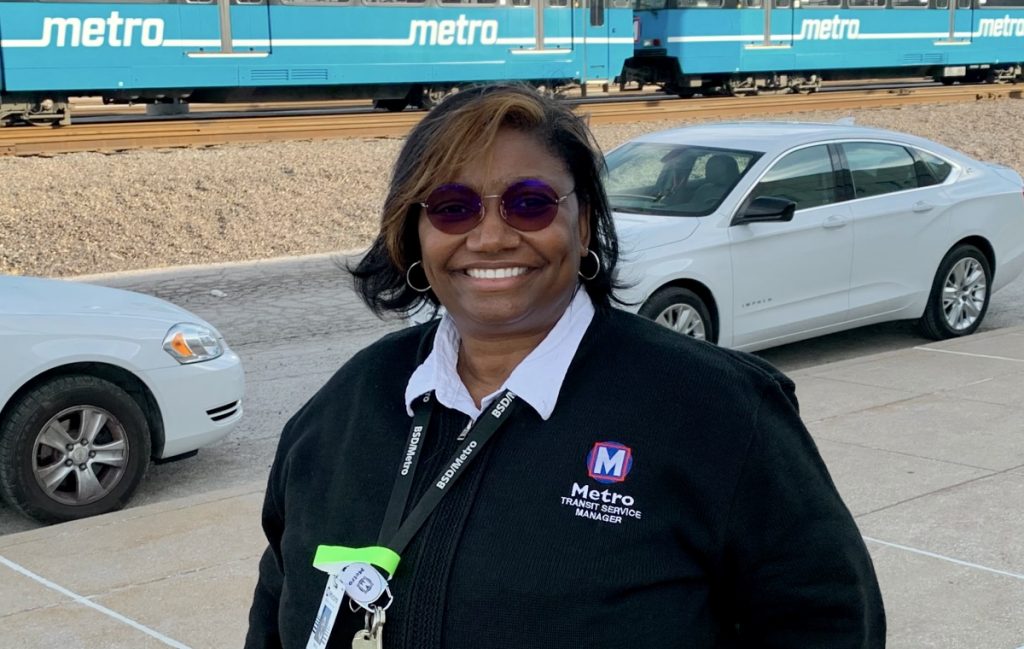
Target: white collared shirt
x=537, y=380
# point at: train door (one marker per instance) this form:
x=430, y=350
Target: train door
x=959, y=23
x=960, y=26
x=775, y=21
x=778, y=22
x=595, y=31
x=242, y=28
x=961, y=20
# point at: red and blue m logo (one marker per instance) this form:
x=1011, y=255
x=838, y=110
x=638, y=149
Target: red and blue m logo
x=609, y=462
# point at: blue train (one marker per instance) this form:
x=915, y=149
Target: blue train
x=747, y=46
x=400, y=52
x=414, y=52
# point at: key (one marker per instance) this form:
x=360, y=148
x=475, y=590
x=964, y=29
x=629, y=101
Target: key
x=365, y=639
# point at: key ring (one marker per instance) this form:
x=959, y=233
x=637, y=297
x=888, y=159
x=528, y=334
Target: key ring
x=374, y=620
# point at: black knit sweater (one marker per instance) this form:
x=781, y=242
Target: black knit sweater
x=726, y=530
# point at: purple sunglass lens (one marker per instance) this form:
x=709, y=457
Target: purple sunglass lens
x=530, y=205
x=453, y=208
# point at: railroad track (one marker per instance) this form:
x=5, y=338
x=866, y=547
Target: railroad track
x=121, y=136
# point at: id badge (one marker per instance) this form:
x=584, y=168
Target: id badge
x=334, y=592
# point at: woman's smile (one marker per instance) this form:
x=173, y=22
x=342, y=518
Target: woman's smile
x=496, y=273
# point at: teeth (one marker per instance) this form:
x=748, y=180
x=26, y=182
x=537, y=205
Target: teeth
x=494, y=273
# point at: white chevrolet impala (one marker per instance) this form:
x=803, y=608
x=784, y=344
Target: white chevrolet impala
x=757, y=234
x=94, y=383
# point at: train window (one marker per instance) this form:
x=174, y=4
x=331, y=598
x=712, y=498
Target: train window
x=394, y=2
x=999, y=4
x=690, y=4
x=867, y=3
x=804, y=177
x=597, y=12
x=470, y=2
x=551, y=3
x=820, y=4
x=648, y=4
x=782, y=3
x=910, y=4
x=752, y=3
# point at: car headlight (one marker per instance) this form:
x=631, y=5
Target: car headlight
x=192, y=343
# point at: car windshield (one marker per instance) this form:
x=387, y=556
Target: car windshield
x=673, y=179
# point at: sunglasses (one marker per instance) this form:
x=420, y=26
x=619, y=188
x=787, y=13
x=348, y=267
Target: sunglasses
x=528, y=206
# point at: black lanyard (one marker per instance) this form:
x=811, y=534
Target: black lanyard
x=396, y=534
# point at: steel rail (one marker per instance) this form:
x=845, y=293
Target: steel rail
x=207, y=132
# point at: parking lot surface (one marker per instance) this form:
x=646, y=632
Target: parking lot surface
x=926, y=445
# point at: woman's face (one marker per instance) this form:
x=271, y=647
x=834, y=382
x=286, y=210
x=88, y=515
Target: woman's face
x=496, y=280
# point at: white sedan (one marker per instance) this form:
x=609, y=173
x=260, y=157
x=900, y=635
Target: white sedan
x=94, y=383
x=757, y=234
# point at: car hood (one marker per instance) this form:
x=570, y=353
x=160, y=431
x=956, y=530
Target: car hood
x=639, y=232
x=48, y=297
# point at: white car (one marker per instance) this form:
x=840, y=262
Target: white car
x=94, y=383
x=756, y=234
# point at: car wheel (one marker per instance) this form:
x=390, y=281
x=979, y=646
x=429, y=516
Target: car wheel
x=960, y=294
x=72, y=447
x=682, y=310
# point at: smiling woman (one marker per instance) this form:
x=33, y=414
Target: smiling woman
x=541, y=447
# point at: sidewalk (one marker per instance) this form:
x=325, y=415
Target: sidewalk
x=925, y=444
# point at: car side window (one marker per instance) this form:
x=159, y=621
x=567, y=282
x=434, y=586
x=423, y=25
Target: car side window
x=804, y=177
x=935, y=171
x=878, y=168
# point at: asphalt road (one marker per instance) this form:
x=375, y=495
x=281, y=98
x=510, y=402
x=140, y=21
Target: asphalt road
x=294, y=322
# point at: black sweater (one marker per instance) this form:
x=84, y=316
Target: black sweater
x=726, y=531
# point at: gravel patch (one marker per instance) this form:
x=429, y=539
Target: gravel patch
x=95, y=213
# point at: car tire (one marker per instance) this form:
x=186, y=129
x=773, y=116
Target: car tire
x=681, y=310
x=960, y=294
x=84, y=437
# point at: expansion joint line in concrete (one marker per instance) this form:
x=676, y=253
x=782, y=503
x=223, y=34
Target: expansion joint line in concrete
x=93, y=605
x=941, y=557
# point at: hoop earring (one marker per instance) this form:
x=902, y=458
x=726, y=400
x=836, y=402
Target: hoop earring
x=597, y=261
x=408, y=278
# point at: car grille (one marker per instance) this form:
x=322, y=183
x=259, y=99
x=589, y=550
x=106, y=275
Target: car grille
x=224, y=412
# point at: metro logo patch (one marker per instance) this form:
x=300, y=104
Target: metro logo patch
x=609, y=462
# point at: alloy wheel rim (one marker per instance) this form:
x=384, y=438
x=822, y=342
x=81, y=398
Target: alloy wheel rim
x=964, y=293
x=684, y=319
x=80, y=455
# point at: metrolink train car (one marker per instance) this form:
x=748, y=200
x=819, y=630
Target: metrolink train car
x=746, y=46
x=400, y=52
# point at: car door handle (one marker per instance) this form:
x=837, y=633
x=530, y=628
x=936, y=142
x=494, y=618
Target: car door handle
x=921, y=206
x=834, y=222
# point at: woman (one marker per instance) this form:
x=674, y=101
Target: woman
x=538, y=469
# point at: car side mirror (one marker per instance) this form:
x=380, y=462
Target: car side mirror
x=765, y=209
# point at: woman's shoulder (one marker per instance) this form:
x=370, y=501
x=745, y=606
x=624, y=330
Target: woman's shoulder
x=393, y=352
x=381, y=368
x=647, y=345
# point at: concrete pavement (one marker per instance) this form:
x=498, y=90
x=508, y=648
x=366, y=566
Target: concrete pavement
x=925, y=444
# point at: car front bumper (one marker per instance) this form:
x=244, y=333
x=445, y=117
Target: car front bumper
x=199, y=403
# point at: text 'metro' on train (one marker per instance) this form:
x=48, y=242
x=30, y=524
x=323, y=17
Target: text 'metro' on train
x=414, y=52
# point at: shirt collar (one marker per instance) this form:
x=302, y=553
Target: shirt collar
x=537, y=380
